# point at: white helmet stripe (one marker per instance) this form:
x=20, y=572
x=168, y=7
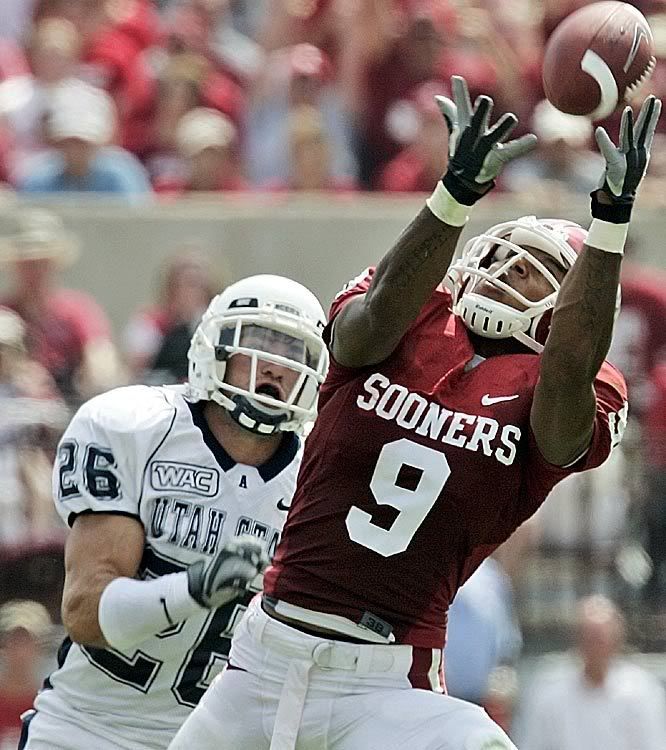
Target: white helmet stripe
x=548, y=243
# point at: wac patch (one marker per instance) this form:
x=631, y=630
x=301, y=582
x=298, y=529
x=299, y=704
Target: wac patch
x=188, y=478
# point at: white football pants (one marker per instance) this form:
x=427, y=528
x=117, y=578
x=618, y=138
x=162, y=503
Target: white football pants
x=47, y=732
x=291, y=691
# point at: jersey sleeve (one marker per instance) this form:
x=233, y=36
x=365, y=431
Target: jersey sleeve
x=358, y=285
x=610, y=422
x=102, y=454
x=337, y=373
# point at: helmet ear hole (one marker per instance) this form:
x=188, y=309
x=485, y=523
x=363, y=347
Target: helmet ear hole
x=226, y=339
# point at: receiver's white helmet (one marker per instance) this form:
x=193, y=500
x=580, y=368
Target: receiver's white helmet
x=508, y=242
x=267, y=318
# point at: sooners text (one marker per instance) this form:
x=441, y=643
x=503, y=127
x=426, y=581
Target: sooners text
x=413, y=412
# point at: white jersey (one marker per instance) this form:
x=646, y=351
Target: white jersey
x=148, y=453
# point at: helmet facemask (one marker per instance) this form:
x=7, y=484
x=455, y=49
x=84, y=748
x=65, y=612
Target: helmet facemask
x=489, y=256
x=278, y=338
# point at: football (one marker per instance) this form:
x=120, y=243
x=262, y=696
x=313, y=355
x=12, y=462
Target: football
x=596, y=59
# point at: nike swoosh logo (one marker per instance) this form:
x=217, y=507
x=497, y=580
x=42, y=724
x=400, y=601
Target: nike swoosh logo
x=281, y=505
x=488, y=400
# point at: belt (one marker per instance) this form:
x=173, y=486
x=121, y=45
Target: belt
x=268, y=605
x=369, y=629
x=310, y=650
x=327, y=653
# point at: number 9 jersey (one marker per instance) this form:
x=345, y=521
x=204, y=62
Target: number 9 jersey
x=416, y=470
x=148, y=453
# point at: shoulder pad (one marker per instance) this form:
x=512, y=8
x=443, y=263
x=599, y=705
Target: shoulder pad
x=131, y=409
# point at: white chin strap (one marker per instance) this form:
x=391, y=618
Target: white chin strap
x=495, y=320
x=254, y=415
x=490, y=318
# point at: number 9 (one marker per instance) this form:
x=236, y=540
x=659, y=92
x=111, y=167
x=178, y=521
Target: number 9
x=413, y=505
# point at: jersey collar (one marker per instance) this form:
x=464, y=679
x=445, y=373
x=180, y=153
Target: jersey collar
x=282, y=457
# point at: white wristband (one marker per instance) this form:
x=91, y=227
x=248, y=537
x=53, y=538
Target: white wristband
x=606, y=236
x=132, y=611
x=446, y=208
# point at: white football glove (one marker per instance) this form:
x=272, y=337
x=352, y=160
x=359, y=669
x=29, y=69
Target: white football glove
x=229, y=574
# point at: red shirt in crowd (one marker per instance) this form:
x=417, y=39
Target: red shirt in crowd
x=58, y=336
x=639, y=349
x=639, y=337
x=655, y=419
x=406, y=173
x=11, y=708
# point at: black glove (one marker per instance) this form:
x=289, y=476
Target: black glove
x=229, y=574
x=477, y=153
x=626, y=164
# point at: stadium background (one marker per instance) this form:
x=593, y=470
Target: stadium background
x=322, y=226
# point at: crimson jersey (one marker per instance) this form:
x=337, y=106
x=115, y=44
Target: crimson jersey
x=416, y=470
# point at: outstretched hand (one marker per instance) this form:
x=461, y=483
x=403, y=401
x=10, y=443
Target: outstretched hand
x=477, y=152
x=626, y=163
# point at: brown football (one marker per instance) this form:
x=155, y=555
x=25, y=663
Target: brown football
x=596, y=58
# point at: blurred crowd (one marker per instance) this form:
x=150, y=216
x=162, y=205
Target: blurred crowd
x=156, y=99
x=57, y=350
x=604, y=532
x=143, y=98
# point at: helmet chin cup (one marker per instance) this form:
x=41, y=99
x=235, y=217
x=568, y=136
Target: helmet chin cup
x=490, y=318
x=249, y=416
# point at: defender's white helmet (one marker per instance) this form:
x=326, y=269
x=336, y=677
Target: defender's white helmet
x=561, y=240
x=267, y=318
